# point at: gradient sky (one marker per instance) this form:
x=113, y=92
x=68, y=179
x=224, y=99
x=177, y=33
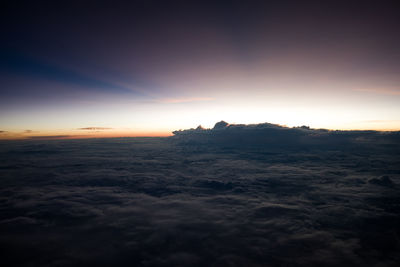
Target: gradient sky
x=92, y=68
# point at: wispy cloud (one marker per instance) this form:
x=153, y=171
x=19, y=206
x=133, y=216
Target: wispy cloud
x=48, y=137
x=94, y=128
x=185, y=100
x=380, y=91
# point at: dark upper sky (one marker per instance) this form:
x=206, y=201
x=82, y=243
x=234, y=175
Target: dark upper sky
x=231, y=54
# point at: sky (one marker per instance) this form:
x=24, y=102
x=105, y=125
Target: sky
x=72, y=69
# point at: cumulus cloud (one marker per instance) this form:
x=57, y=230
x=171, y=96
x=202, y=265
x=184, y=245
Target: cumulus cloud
x=220, y=125
x=158, y=202
x=274, y=135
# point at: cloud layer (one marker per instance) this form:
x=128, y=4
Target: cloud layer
x=160, y=202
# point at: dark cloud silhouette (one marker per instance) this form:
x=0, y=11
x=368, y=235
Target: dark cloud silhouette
x=220, y=125
x=168, y=202
x=199, y=128
x=273, y=135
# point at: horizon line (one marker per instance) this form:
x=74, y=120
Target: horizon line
x=15, y=136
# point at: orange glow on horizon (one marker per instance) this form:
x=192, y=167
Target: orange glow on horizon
x=55, y=135
x=78, y=134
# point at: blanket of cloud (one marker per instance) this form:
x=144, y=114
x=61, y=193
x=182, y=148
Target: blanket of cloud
x=179, y=202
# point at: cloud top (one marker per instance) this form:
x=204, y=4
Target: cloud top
x=274, y=135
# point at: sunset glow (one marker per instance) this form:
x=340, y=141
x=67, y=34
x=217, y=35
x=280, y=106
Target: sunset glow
x=138, y=77
x=157, y=133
